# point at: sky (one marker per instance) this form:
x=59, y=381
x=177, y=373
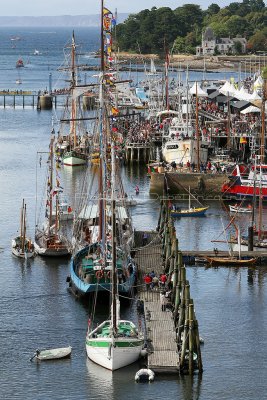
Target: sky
x=87, y=7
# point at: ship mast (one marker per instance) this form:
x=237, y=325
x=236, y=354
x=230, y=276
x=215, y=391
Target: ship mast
x=21, y=221
x=114, y=246
x=101, y=147
x=73, y=84
x=51, y=155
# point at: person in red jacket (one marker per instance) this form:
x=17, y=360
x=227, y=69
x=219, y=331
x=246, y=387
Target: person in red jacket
x=148, y=281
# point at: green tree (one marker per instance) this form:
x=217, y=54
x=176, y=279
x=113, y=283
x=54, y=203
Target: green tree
x=237, y=47
x=213, y=9
x=258, y=42
x=236, y=25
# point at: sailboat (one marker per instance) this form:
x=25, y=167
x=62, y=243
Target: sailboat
x=91, y=264
x=22, y=246
x=231, y=260
x=74, y=146
x=48, y=239
x=114, y=343
x=190, y=211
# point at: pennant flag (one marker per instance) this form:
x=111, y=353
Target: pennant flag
x=106, y=11
x=114, y=111
x=113, y=22
x=107, y=23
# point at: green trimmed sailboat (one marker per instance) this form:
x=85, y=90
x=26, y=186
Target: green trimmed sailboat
x=115, y=343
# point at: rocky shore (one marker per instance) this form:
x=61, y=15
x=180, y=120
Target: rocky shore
x=211, y=63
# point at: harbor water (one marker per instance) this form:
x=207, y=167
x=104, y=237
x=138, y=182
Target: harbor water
x=36, y=309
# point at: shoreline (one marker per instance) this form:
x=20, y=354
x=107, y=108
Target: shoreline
x=210, y=63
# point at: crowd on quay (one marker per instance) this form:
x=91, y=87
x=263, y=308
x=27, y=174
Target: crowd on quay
x=160, y=283
x=139, y=132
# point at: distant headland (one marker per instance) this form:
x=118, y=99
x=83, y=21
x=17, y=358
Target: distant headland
x=56, y=21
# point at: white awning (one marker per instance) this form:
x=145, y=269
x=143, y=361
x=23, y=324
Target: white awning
x=250, y=109
x=196, y=89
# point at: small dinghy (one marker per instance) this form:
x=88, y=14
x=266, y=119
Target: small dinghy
x=52, y=354
x=144, y=375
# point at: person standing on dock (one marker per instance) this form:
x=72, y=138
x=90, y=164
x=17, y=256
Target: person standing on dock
x=163, y=301
x=144, y=239
x=163, y=280
x=148, y=281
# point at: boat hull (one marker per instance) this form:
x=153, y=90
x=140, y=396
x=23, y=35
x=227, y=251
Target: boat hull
x=197, y=212
x=51, y=252
x=82, y=288
x=114, y=356
x=54, y=354
x=74, y=160
x=236, y=209
x=229, y=261
x=19, y=252
x=240, y=192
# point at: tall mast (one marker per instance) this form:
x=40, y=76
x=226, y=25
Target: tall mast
x=51, y=181
x=73, y=84
x=197, y=132
x=21, y=221
x=102, y=67
x=114, y=243
x=24, y=229
x=101, y=147
x=166, y=76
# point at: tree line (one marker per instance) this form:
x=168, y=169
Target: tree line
x=180, y=30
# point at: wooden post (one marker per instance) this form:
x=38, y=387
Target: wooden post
x=14, y=101
x=4, y=101
x=23, y=101
x=191, y=337
x=33, y=101
x=199, y=358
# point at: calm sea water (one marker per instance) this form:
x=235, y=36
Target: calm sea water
x=36, y=310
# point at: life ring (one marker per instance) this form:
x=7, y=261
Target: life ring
x=99, y=274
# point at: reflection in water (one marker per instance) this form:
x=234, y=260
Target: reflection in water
x=191, y=386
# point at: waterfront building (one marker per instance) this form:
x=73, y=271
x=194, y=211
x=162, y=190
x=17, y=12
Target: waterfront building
x=210, y=44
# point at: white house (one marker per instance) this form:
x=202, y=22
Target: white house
x=223, y=45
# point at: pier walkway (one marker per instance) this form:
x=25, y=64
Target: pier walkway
x=162, y=344
x=161, y=335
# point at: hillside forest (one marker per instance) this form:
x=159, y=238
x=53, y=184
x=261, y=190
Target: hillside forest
x=180, y=30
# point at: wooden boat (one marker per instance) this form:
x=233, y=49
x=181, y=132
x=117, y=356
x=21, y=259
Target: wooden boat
x=49, y=241
x=74, y=150
x=230, y=261
x=22, y=246
x=190, y=211
x=52, y=354
x=91, y=264
x=237, y=209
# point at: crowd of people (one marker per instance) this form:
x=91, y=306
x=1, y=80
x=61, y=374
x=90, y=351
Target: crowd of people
x=139, y=132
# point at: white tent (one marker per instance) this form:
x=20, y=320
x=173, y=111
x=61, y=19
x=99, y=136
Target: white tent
x=196, y=89
x=243, y=94
x=258, y=82
x=228, y=90
x=255, y=96
x=250, y=109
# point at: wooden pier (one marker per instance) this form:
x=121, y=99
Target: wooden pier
x=138, y=152
x=162, y=344
x=170, y=348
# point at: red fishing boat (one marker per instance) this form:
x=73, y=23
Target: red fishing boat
x=245, y=183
